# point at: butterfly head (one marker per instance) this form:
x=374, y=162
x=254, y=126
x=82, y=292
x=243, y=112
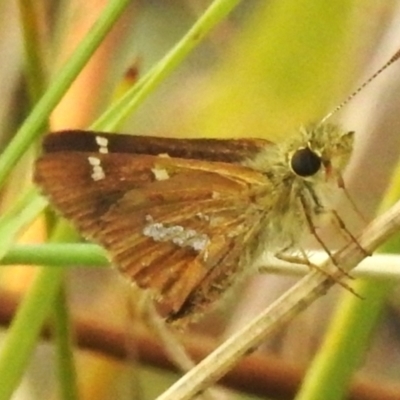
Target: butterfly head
x=321, y=151
x=316, y=154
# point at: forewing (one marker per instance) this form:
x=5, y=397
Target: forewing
x=166, y=222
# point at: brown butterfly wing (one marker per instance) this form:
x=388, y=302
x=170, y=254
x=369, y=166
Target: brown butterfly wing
x=214, y=200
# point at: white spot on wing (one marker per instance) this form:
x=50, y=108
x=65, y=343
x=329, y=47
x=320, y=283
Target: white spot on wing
x=103, y=144
x=160, y=174
x=97, y=170
x=203, y=217
x=177, y=234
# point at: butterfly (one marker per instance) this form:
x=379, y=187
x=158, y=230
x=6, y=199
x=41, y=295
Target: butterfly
x=187, y=218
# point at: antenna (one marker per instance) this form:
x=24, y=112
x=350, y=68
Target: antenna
x=394, y=58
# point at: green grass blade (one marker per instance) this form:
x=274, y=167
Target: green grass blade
x=38, y=118
x=19, y=216
x=111, y=119
x=22, y=335
x=64, y=345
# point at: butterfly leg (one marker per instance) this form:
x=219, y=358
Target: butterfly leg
x=314, y=233
x=344, y=231
x=303, y=259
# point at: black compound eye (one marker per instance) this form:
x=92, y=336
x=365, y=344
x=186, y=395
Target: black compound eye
x=305, y=162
